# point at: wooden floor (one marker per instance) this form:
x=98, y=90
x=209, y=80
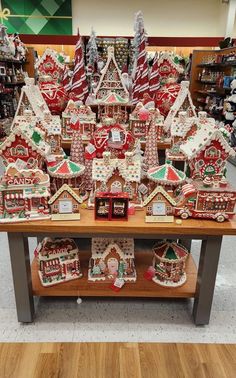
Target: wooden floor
x=111, y=360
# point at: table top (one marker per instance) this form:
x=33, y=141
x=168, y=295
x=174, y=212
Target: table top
x=134, y=226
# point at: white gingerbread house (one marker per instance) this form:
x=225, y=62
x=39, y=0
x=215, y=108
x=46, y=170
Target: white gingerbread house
x=112, y=258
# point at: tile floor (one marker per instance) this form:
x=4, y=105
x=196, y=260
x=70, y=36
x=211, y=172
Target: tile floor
x=62, y=319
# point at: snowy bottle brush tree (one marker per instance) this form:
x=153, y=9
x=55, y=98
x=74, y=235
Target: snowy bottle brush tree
x=92, y=50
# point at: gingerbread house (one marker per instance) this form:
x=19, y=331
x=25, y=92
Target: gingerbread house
x=207, y=152
x=183, y=102
x=169, y=260
x=31, y=98
x=168, y=68
x=111, y=80
x=25, y=145
x=86, y=117
x=24, y=195
x=65, y=204
x=65, y=172
x=49, y=65
x=111, y=259
x=159, y=206
x=117, y=175
x=113, y=106
x=58, y=261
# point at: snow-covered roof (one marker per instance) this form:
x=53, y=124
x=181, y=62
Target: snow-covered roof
x=131, y=172
x=33, y=136
x=157, y=190
x=66, y=188
x=34, y=98
x=167, y=55
x=100, y=245
x=180, y=129
x=202, y=139
x=110, y=59
x=53, y=54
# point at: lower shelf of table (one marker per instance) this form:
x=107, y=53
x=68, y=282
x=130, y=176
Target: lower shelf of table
x=141, y=288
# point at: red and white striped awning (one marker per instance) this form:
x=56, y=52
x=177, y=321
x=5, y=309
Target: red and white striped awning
x=52, y=262
x=188, y=189
x=14, y=196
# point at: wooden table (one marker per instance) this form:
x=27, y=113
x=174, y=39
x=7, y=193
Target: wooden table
x=200, y=283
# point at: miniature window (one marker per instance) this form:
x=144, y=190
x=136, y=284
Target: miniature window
x=35, y=202
x=19, y=151
x=128, y=188
x=201, y=163
x=168, y=208
x=212, y=153
x=159, y=198
x=116, y=187
x=75, y=206
x=65, y=195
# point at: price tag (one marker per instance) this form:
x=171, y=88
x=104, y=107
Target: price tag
x=115, y=136
x=90, y=148
x=118, y=284
x=20, y=164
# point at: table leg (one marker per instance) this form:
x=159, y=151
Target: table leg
x=207, y=270
x=187, y=243
x=20, y=263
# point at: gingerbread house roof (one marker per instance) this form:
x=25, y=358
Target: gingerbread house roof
x=49, y=248
x=156, y=191
x=166, y=174
x=65, y=188
x=111, y=59
x=99, y=246
x=170, y=251
x=66, y=169
x=131, y=172
x=183, y=94
x=33, y=136
x=113, y=98
x=53, y=55
x=167, y=55
x=203, y=138
x=179, y=129
x=34, y=97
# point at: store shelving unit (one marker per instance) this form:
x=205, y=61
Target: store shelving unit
x=200, y=283
x=202, y=90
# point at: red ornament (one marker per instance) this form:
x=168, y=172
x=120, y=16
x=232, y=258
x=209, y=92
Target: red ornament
x=54, y=95
x=166, y=96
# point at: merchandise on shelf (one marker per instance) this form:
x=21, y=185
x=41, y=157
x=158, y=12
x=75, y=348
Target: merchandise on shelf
x=113, y=138
x=168, y=67
x=159, y=206
x=49, y=65
x=24, y=195
x=31, y=98
x=207, y=152
x=169, y=260
x=65, y=203
x=111, y=80
x=111, y=206
x=65, y=172
x=86, y=117
x=111, y=259
x=58, y=261
x=166, y=96
x=117, y=176
x=182, y=102
x=206, y=199
x=25, y=146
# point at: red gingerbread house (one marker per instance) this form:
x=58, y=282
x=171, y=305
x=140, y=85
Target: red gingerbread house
x=207, y=152
x=49, y=65
x=25, y=145
x=24, y=195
